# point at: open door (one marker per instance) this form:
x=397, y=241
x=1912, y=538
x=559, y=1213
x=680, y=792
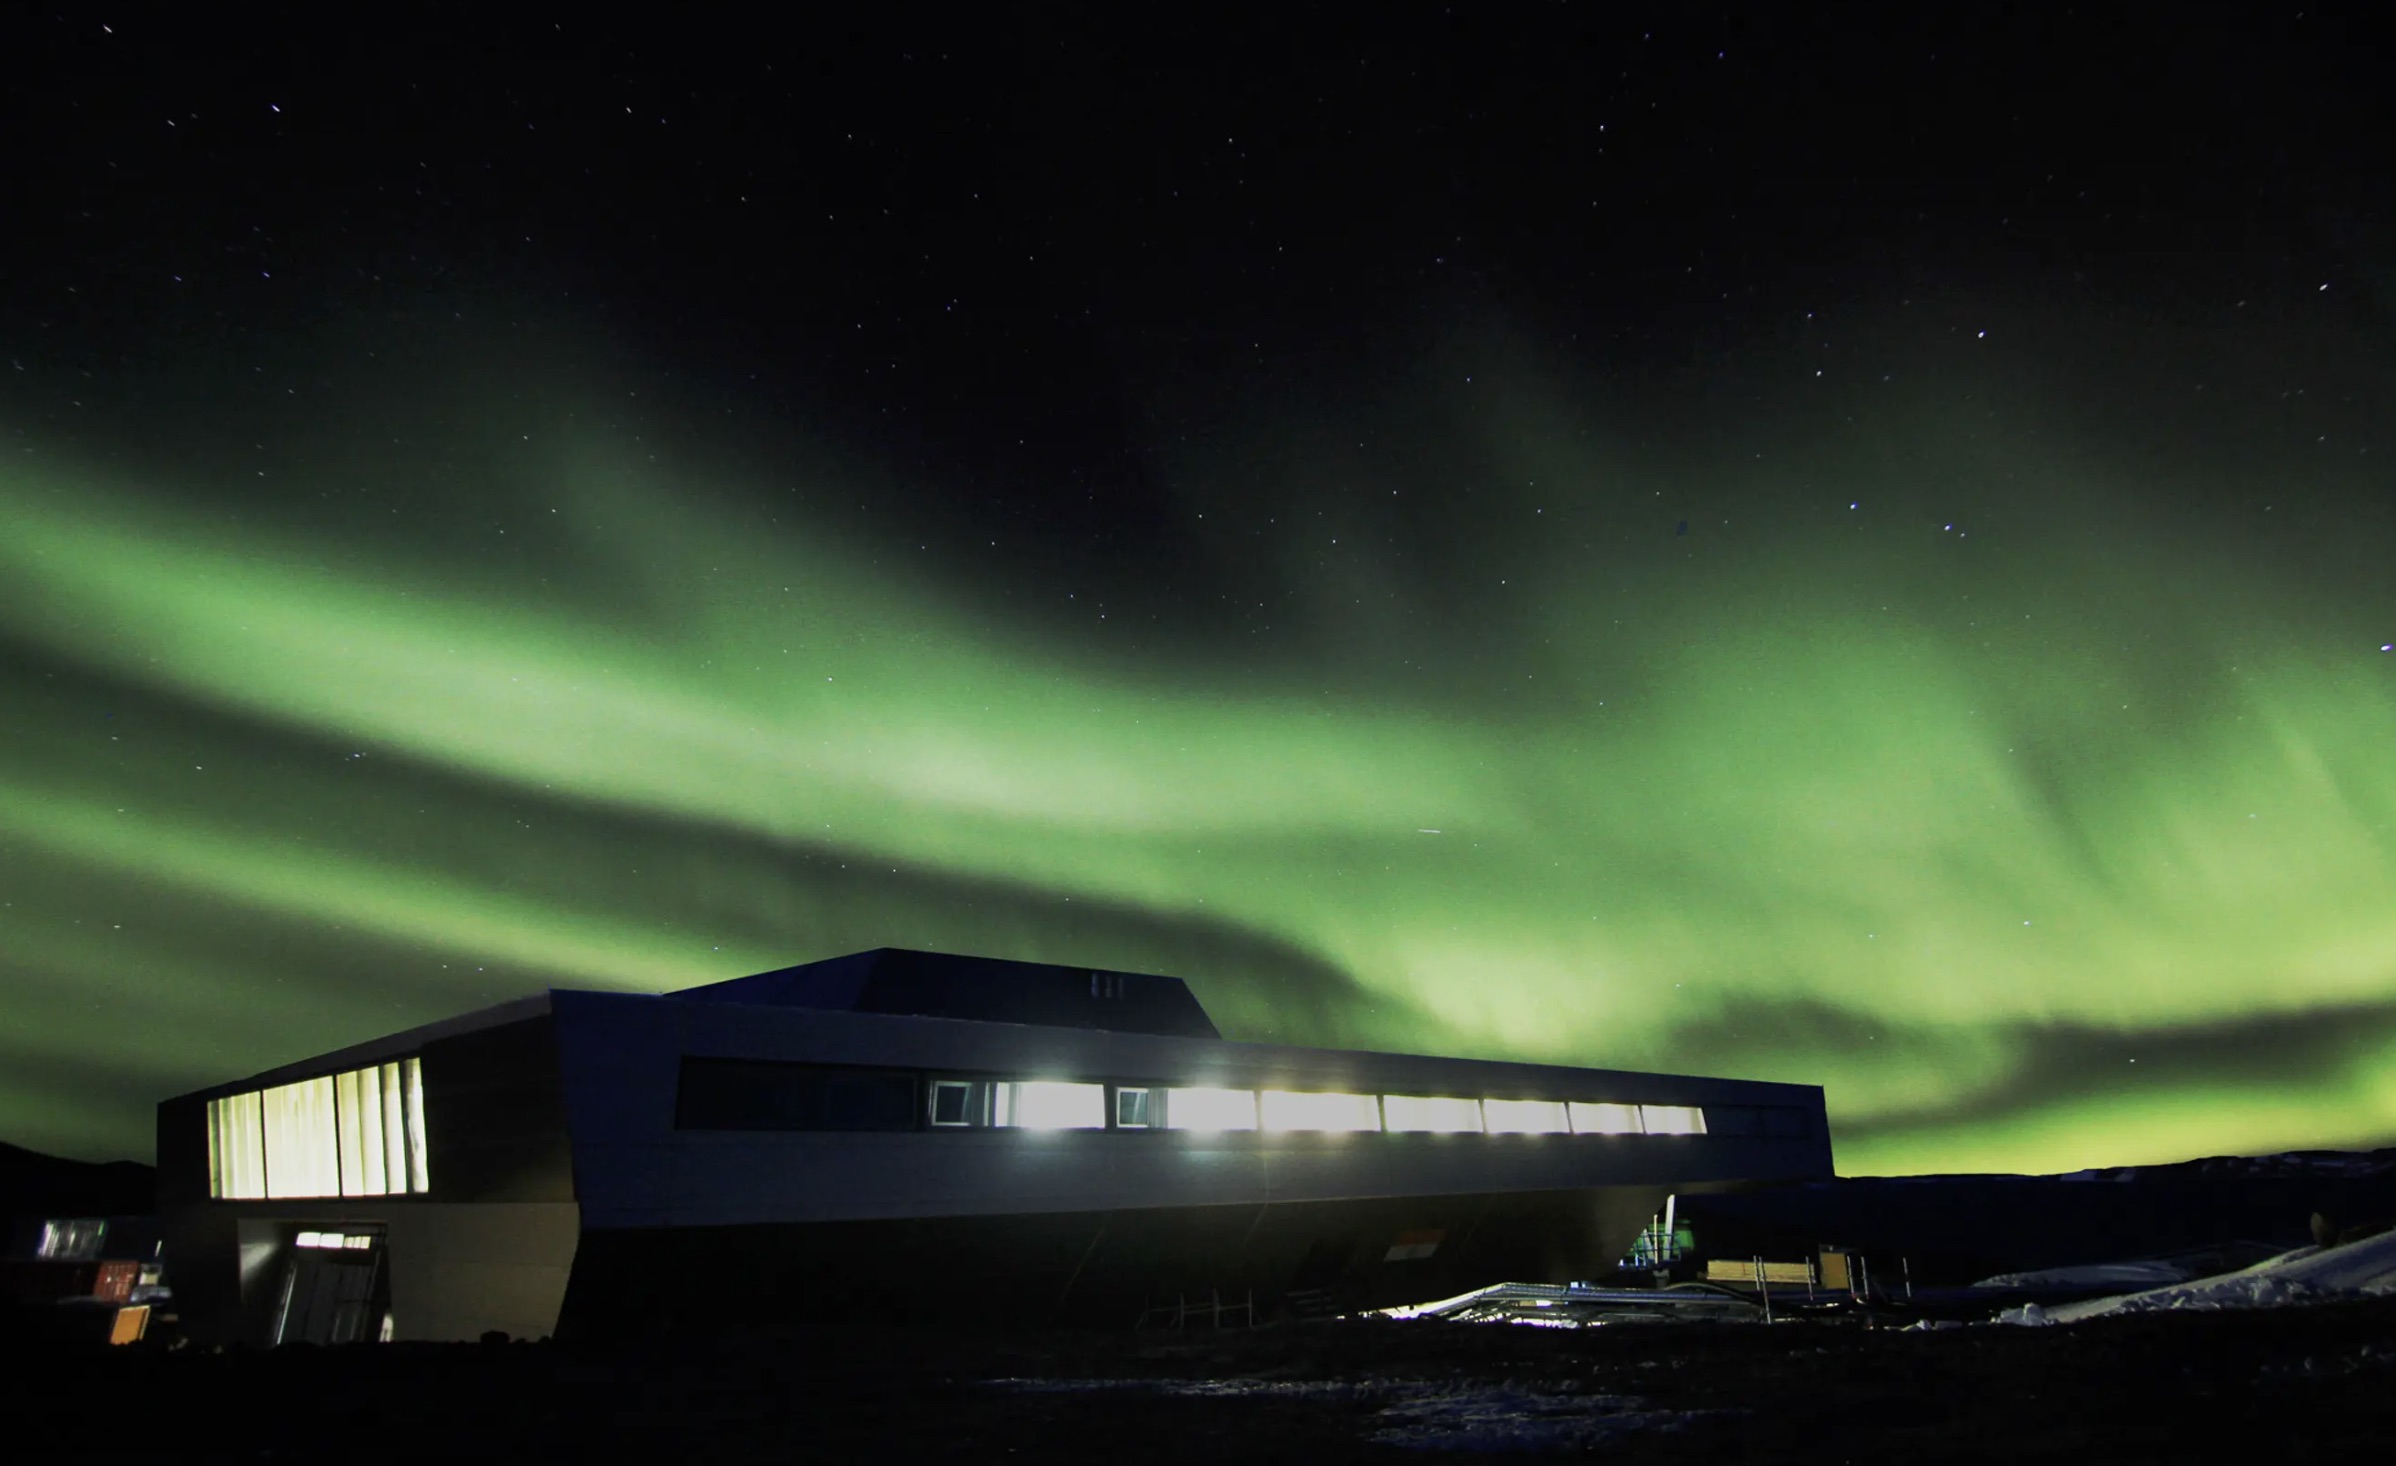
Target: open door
x=337, y=1289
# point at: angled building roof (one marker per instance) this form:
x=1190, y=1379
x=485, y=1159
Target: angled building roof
x=899, y=982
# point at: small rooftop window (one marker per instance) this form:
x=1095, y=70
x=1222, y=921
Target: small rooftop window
x=953, y=1103
x=1132, y=1109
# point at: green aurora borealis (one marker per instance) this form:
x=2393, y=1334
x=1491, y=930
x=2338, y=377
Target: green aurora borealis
x=2042, y=811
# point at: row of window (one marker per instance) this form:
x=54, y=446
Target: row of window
x=737, y=1094
x=359, y=1133
x=1059, y=1105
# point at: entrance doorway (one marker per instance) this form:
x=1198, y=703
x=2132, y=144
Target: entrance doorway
x=337, y=1289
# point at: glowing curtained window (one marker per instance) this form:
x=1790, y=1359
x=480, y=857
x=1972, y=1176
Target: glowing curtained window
x=358, y=1103
x=1435, y=1113
x=411, y=1079
x=303, y=1147
x=1202, y=1108
x=1285, y=1109
x=395, y=1126
x=237, y=1148
x=357, y=1133
x=1526, y=1117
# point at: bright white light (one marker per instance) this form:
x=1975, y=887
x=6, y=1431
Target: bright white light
x=1421, y=1112
x=1047, y=1104
x=1210, y=1109
x=1526, y=1117
x=1588, y=1119
x=1286, y=1109
x=1673, y=1119
x=317, y=1239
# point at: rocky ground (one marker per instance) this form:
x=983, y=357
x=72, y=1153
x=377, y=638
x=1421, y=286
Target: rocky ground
x=2314, y=1384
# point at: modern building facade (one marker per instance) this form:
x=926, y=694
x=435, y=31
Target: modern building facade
x=897, y=1134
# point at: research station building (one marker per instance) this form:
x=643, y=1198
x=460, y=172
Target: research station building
x=899, y=1135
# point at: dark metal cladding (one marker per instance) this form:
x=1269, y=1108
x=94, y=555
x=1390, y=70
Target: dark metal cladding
x=895, y=980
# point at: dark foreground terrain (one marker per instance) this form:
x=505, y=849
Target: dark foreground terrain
x=2304, y=1385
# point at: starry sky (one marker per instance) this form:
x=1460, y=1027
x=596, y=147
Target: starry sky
x=1852, y=548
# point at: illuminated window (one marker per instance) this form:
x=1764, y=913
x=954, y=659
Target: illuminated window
x=1047, y=1104
x=1435, y=1113
x=358, y=1133
x=75, y=1241
x=1285, y=1109
x=1526, y=1117
x=1589, y=1119
x=1131, y=1109
x=1210, y=1109
x=237, y=1147
x=358, y=1104
x=411, y=1078
x=303, y=1148
x=1673, y=1119
x=394, y=1108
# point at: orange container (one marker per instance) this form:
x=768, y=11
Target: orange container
x=115, y=1281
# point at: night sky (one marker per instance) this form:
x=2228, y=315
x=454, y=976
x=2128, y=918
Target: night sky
x=1851, y=549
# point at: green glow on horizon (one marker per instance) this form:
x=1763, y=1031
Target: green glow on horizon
x=2351, y=1107
x=1829, y=825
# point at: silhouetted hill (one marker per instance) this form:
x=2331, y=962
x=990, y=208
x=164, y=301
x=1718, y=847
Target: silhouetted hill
x=1952, y=1229
x=33, y=1184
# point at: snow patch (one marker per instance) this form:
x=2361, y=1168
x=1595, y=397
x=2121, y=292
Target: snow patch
x=2365, y=1268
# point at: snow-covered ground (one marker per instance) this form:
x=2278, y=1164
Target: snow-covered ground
x=2365, y=1268
x=2151, y=1273
x=1436, y=1415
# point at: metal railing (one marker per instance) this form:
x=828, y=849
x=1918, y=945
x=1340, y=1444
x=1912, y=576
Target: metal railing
x=1183, y=1311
